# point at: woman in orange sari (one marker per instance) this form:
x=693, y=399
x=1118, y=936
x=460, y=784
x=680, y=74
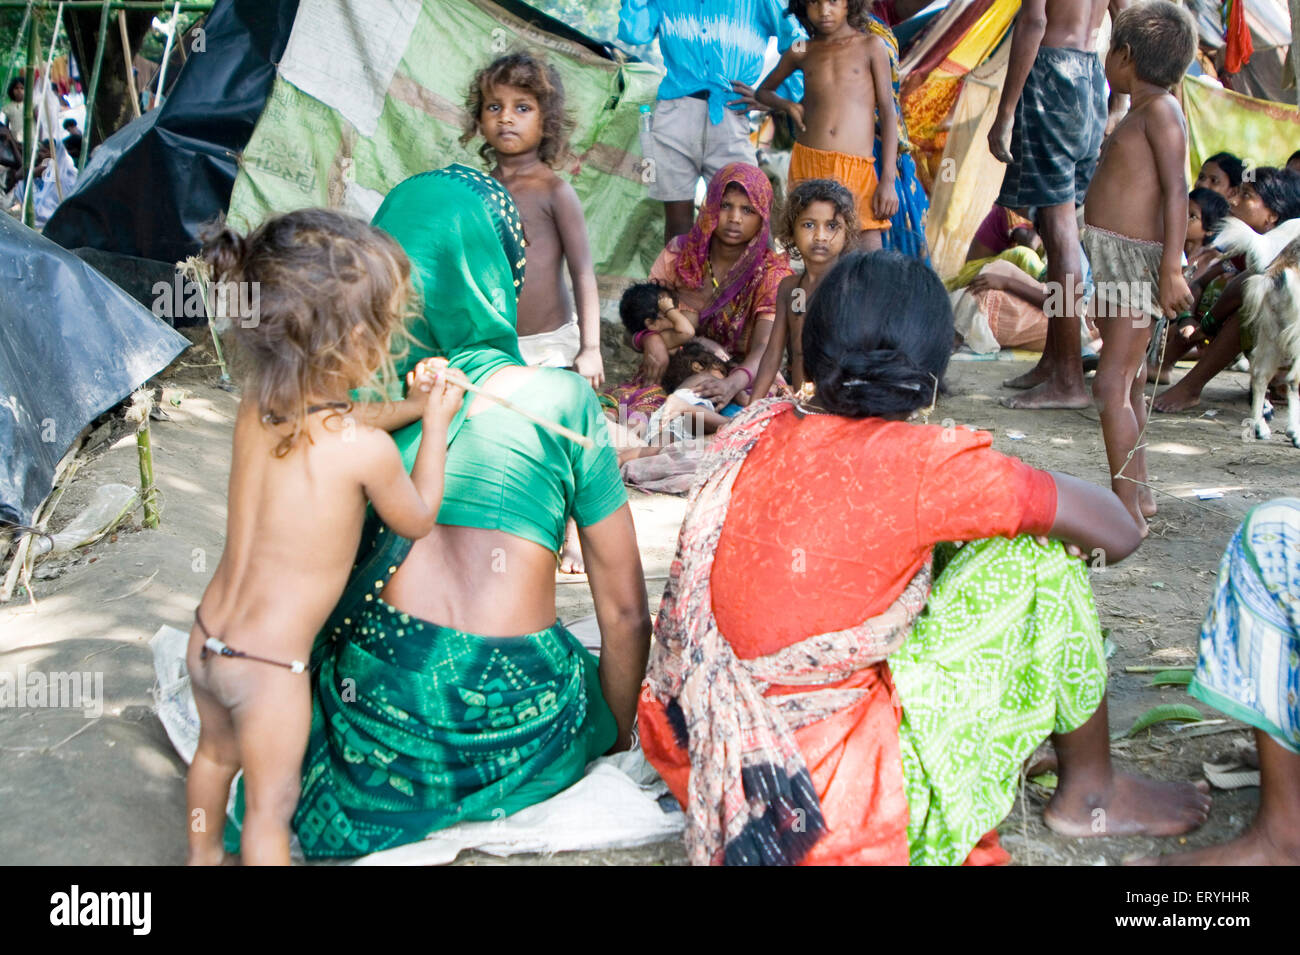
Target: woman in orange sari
x=799, y=702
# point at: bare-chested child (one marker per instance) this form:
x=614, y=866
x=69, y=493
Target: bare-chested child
x=1050, y=121
x=332, y=290
x=1135, y=227
x=819, y=223
x=847, y=92
x=516, y=103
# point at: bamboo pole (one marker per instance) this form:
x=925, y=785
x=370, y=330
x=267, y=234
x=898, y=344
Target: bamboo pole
x=130, y=70
x=561, y=430
x=29, y=123
x=141, y=406
x=94, y=84
x=136, y=6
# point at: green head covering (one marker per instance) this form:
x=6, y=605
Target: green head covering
x=465, y=240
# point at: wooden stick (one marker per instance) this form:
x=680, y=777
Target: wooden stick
x=561, y=430
x=130, y=70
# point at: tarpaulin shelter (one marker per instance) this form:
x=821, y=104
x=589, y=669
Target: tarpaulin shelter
x=370, y=92
x=151, y=186
x=1267, y=75
x=74, y=345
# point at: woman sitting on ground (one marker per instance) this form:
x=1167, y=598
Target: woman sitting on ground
x=725, y=276
x=1273, y=197
x=800, y=703
x=444, y=688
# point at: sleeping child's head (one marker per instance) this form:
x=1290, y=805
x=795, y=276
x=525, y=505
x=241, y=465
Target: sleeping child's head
x=691, y=360
x=818, y=221
x=1205, y=210
x=643, y=307
x=878, y=336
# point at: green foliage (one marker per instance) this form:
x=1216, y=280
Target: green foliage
x=1180, y=712
x=155, y=40
x=596, y=18
x=1172, y=677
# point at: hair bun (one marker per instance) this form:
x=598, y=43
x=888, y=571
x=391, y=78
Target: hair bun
x=225, y=251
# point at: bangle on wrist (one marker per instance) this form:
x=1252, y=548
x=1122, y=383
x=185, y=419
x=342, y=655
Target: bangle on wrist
x=748, y=375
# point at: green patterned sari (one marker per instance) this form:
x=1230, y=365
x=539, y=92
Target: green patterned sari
x=416, y=726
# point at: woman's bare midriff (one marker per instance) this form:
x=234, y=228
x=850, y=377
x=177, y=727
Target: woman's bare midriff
x=485, y=582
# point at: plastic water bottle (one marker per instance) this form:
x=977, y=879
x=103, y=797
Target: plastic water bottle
x=647, y=123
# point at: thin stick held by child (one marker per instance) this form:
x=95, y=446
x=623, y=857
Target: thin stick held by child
x=332, y=292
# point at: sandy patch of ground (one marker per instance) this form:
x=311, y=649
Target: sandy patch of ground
x=110, y=790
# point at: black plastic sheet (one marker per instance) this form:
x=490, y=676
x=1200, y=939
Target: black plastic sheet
x=166, y=175
x=72, y=345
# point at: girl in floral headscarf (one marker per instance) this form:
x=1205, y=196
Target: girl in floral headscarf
x=725, y=275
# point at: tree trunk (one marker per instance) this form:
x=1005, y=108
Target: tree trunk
x=113, y=101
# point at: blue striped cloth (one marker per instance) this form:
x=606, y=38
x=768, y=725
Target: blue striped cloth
x=706, y=44
x=1249, y=666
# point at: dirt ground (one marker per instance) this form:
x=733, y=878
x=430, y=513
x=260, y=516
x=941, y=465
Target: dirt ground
x=110, y=790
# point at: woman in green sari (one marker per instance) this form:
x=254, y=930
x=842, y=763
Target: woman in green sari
x=444, y=689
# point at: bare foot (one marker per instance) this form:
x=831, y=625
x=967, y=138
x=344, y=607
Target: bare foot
x=1255, y=846
x=1034, y=376
x=1129, y=806
x=571, y=556
x=1178, y=398
x=1162, y=376
x=1049, y=395
x=1147, y=501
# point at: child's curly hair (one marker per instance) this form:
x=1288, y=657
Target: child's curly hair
x=640, y=304
x=525, y=71
x=331, y=291
x=804, y=195
x=858, y=17
x=683, y=361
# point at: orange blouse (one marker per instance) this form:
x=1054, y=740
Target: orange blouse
x=829, y=519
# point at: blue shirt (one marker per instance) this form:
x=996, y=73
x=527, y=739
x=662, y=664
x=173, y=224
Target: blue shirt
x=708, y=43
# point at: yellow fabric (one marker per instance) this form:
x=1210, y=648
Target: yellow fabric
x=969, y=178
x=927, y=105
x=1265, y=133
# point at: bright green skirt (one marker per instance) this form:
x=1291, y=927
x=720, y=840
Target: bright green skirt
x=1008, y=651
x=416, y=727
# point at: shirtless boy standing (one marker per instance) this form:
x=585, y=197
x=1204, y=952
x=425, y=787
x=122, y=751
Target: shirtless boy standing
x=1049, y=127
x=517, y=104
x=1136, y=224
x=847, y=89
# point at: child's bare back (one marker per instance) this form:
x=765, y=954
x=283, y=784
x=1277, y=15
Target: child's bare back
x=291, y=533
